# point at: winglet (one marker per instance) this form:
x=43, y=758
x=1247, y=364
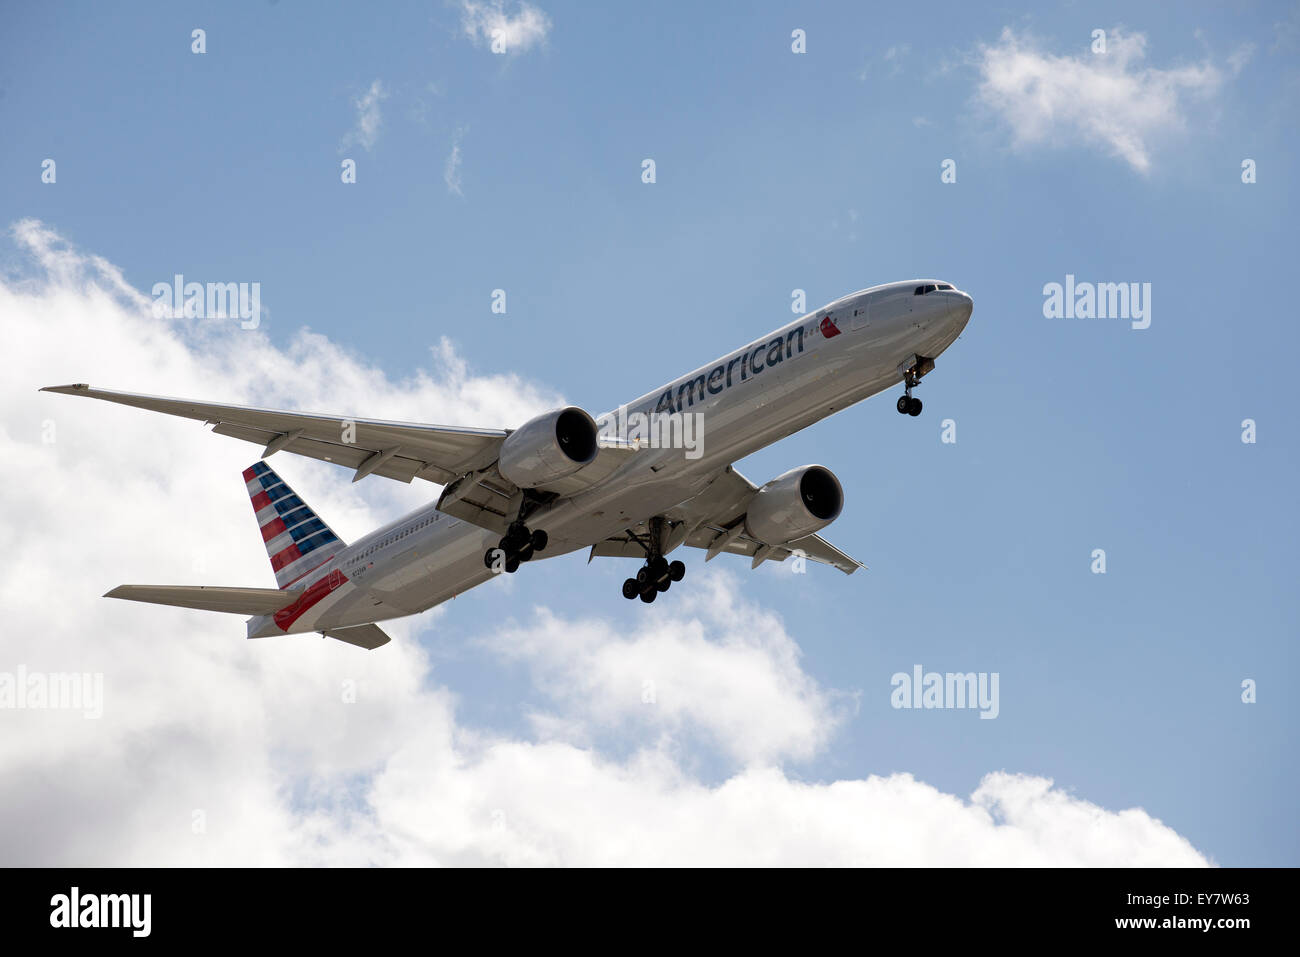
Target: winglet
x=66, y=389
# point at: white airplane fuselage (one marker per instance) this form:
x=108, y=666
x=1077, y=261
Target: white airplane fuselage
x=748, y=399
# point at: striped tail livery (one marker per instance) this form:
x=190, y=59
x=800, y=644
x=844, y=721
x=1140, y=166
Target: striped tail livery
x=297, y=540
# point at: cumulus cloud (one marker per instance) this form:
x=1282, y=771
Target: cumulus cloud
x=487, y=22
x=713, y=664
x=1110, y=100
x=216, y=750
x=369, y=119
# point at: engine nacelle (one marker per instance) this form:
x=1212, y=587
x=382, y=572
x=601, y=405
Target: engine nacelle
x=549, y=447
x=798, y=503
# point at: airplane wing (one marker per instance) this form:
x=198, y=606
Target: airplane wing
x=460, y=459
x=396, y=450
x=715, y=520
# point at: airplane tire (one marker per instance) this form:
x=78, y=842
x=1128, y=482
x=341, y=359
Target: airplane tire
x=631, y=589
x=904, y=405
x=677, y=571
x=539, y=540
x=526, y=553
x=642, y=575
x=648, y=595
x=663, y=583
x=914, y=408
x=512, y=564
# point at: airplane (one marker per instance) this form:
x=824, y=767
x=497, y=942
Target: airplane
x=561, y=482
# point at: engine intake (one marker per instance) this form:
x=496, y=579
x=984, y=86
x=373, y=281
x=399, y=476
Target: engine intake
x=796, y=504
x=549, y=447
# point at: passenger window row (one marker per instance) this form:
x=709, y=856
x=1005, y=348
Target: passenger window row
x=388, y=541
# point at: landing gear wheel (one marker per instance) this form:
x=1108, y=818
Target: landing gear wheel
x=914, y=407
x=663, y=583
x=643, y=576
x=677, y=571
x=631, y=589
x=648, y=595
x=539, y=540
x=512, y=564
x=904, y=404
x=658, y=566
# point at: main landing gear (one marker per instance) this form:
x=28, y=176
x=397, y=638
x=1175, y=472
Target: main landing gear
x=518, y=545
x=654, y=576
x=657, y=574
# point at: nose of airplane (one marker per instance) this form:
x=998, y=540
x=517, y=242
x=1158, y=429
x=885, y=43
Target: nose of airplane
x=960, y=309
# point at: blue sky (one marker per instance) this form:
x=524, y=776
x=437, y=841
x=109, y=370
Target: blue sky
x=775, y=172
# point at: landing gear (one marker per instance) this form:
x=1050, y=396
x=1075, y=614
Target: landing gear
x=908, y=405
x=517, y=545
x=913, y=370
x=657, y=574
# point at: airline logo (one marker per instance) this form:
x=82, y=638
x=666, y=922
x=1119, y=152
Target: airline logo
x=739, y=367
x=297, y=541
x=828, y=328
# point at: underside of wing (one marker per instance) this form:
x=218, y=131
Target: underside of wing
x=715, y=520
x=396, y=450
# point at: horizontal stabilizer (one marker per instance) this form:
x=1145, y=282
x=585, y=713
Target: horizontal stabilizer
x=369, y=637
x=239, y=601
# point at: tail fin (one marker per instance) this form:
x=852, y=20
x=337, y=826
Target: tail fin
x=297, y=541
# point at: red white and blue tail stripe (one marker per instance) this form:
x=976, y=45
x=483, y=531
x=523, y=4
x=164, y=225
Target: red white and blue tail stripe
x=297, y=540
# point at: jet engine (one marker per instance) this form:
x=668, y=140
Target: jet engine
x=548, y=448
x=798, y=503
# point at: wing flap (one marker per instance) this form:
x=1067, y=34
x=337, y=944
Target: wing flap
x=399, y=467
x=237, y=601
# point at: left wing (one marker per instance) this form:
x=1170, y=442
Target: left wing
x=715, y=520
x=462, y=460
x=396, y=450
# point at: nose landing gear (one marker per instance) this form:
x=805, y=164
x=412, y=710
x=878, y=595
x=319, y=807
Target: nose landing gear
x=914, y=369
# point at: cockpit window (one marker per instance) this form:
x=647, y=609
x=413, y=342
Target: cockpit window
x=922, y=290
x=944, y=285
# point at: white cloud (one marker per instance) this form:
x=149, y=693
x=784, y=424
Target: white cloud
x=369, y=119
x=451, y=171
x=254, y=740
x=487, y=22
x=710, y=664
x=1109, y=100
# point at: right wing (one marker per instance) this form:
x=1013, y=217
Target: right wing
x=715, y=520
